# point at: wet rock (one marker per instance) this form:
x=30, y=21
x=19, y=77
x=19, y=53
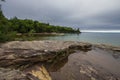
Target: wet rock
x=116, y=49
x=107, y=47
x=83, y=47
x=94, y=74
x=88, y=71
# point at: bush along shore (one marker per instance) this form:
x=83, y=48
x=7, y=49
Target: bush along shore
x=10, y=27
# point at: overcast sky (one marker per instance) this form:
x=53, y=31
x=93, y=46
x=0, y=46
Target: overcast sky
x=85, y=14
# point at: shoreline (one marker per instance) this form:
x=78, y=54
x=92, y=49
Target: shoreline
x=41, y=34
x=34, y=58
x=103, y=46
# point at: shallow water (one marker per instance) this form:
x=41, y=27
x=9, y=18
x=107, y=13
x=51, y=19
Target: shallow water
x=96, y=64
x=104, y=38
x=96, y=37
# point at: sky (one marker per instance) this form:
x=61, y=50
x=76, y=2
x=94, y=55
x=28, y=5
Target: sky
x=83, y=14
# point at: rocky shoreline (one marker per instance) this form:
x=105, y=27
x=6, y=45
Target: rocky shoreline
x=18, y=56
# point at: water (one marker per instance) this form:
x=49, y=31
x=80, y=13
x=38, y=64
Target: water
x=97, y=64
x=92, y=64
x=92, y=37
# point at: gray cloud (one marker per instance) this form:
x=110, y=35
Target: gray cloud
x=75, y=13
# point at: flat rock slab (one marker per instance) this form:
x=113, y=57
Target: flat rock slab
x=43, y=45
x=17, y=53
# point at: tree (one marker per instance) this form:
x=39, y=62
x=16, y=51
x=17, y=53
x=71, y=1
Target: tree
x=1, y=4
x=31, y=32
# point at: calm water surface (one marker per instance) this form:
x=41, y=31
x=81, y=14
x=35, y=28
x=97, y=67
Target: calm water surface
x=96, y=64
x=104, y=38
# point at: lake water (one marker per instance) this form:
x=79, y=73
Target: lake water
x=95, y=64
x=91, y=64
x=92, y=37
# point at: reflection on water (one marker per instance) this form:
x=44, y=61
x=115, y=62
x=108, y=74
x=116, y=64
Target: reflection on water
x=94, y=64
x=116, y=55
x=55, y=66
x=60, y=60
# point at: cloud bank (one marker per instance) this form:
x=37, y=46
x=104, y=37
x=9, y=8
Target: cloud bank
x=86, y=14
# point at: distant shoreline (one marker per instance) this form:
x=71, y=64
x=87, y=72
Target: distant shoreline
x=38, y=34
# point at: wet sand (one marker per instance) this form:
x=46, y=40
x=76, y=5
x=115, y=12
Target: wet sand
x=97, y=64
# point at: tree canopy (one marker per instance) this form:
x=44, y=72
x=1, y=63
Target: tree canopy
x=26, y=25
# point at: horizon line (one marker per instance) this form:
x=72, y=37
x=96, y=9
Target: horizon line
x=101, y=31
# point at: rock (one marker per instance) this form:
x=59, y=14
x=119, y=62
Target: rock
x=8, y=74
x=19, y=55
x=116, y=49
x=43, y=45
x=107, y=47
x=41, y=73
x=25, y=53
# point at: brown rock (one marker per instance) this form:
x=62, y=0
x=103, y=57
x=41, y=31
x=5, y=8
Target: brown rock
x=8, y=74
x=16, y=54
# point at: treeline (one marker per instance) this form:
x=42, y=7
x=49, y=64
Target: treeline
x=6, y=33
x=26, y=26
x=10, y=27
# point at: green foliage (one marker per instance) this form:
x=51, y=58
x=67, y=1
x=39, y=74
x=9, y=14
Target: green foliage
x=31, y=32
x=7, y=36
x=9, y=28
x=6, y=32
x=25, y=26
